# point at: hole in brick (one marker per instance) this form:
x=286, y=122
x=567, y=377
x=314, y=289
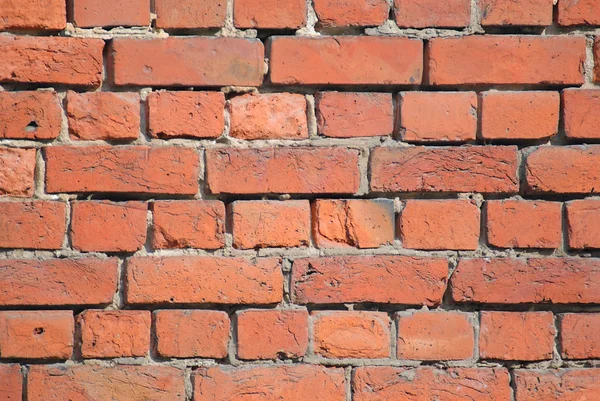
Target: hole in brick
x=32, y=126
x=38, y=331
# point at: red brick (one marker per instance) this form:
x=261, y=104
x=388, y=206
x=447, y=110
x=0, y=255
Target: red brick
x=187, y=61
x=557, y=385
x=361, y=223
x=11, y=382
x=264, y=224
x=578, y=12
x=354, y=279
x=334, y=13
x=438, y=116
x=596, y=51
x=57, y=282
x=282, y=170
x=583, y=224
x=432, y=13
x=103, y=116
x=581, y=109
x=91, y=13
x=354, y=114
x=36, y=334
x=272, y=14
x=178, y=14
x=191, y=279
x=186, y=114
x=579, y=336
x=519, y=115
x=285, y=382
x=387, y=383
x=272, y=334
x=102, y=383
x=17, y=169
x=191, y=333
x=268, y=116
x=563, y=169
x=435, y=336
x=351, y=334
x=163, y=170
x=346, y=60
x=516, y=60
x=51, y=60
x=440, y=224
x=114, y=334
x=517, y=281
x=32, y=224
x=30, y=115
x=516, y=13
x=33, y=14
x=524, y=224
x=488, y=169
x=514, y=336
x=188, y=224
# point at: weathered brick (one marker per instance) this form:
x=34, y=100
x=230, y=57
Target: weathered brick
x=581, y=110
x=516, y=336
x=108, y=13
x=268, y=116
x=524, y=224
x=354, y=114
x=282, y=170
x=269, y=14
x=438, y=116
x=583, y=224
x=557, y=385
x=435, y=336
x=488, y=169
x=188, y=224
x=517, y=281
x=519, y=115
x=380, y=279
x=386, y=383
x=432, y=13
x=191, y=279
x=578, y=12
x=516, y=13
x=29, y=115
x=177, y=14
x=285, y=382
x=351, y=334
x=563, y=169
x=51, y=60
x=334, y=13
x=36, y=334
x=516, y=60
x=33, y=14
x=102, y=383
x=579, y=336
x=440, y=224
x=187, y=61
x=57, y=282
x=191, y=333
x=346, y=60
x=272, y=334
x=263, y=224
x=159, y=170
x=32, y=224
x=103, y=116
x=11, y=382
x=186, y=114
x=17, y=169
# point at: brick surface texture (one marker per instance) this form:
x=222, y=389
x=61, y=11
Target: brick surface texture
x=299, y=200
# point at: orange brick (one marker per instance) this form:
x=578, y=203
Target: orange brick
x=11, y=382
x=432, y=13
x=272, y=334
x=191, y=333
x=353, y=222
x=434, y=224
x=17, y=169
x=351, y=334
x=271, y=14
x=30, y=115
x=579, y=336
x=438, y=116
x=578, y=12
x=108, y=13
x=36, y=334
x=435, y=336
x=581, y=109
x=178, y=14
x=33, y=14
x=583, y=224
x=32, y=224
x=557, y=385
x=334, y=13
x=516, y=13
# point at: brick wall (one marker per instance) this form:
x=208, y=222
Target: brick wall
x=349, y=200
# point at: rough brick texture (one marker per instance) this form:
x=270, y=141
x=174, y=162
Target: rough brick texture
x=432, y=13
x=30, y=115
x=555, y=385
x=11, y=382
x=32, y=225
x=17, y=169
x=342, y=13
x=580, y=108
x=108, y=13
x=583, y=224
x=503, y=13
x=175, y=14
x=271, y=14
x=33, y=14
x=579, y=339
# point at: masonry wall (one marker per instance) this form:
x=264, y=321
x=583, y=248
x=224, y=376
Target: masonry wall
x=347, y=200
